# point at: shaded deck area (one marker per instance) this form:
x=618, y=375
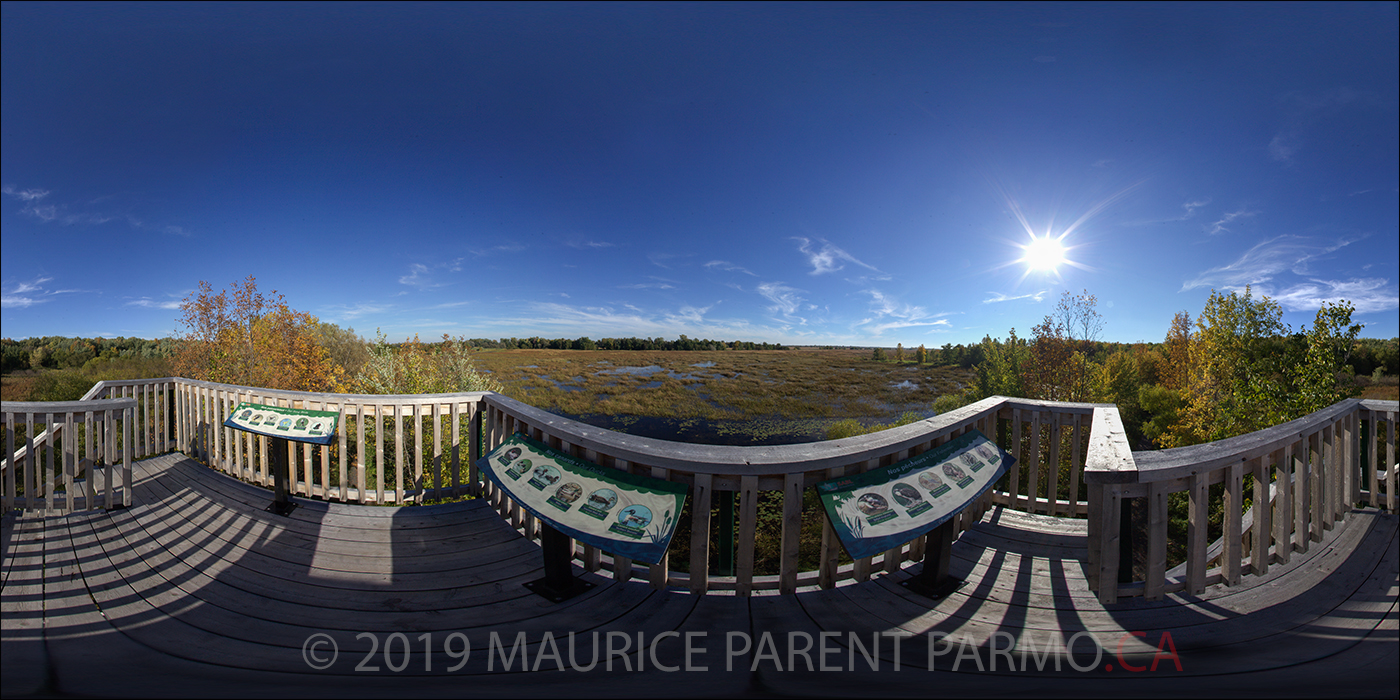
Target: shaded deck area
x=197, y=591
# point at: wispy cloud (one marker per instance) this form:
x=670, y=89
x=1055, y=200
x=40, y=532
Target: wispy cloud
x=564, y=320
x=580, y=243
x=60, y=213
x=727, y=266
x=1264, y=261
x=343, y=312
x=1219, y=227
x=149, y=303
x=30, y=195
x=1368, y=295
x=998, y=297
x=889, y=314
x=785, y=300
x=829, y=258
x=423, y=277
x=647, y=285
x=497, y=249
x=25, y=294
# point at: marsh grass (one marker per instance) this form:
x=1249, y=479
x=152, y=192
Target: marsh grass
x=772, y=391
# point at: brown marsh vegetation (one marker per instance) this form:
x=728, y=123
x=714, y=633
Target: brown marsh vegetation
x=734, y=396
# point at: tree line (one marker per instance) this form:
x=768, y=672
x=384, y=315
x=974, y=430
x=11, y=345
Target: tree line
x=1235, y=369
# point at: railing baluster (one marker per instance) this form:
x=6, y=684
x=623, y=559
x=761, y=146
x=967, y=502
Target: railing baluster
x=700, y=535
x=1230, y=554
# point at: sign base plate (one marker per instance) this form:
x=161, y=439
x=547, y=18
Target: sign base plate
x=281, y=508
x=936, y=591
x=541, y=587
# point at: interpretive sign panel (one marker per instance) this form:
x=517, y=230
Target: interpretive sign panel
x=886, y=507
x=296, y=424
x=626, y=514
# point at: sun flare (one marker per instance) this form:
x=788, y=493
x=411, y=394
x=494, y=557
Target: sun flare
x=1043, y=254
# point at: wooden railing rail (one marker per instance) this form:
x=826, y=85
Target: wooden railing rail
x=1304, y=476
x=81, y=444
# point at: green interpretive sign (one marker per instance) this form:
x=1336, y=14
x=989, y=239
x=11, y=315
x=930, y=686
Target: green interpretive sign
x=883, y=508
x=296, y=424
x=625, y=514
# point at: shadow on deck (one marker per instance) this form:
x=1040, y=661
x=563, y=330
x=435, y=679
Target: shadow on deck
x=197, y=591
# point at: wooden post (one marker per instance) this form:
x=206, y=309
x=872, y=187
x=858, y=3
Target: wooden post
x=1196, y=535
x=700, y=534
x=1263, y=523
x=1230, y=554
x=792, y=532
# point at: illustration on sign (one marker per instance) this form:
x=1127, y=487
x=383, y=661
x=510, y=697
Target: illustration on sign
x=883, y=508
x=625, y=514
x=300, y=425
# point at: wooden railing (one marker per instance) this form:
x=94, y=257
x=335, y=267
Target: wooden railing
x=1305, y=476
x=1046, y=438
x=68, y=465
x=433, y=442
x=1073, y=460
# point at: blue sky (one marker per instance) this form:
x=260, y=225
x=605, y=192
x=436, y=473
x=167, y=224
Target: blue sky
x=813, y=174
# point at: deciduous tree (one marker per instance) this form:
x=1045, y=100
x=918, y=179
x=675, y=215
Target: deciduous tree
x=239, y=336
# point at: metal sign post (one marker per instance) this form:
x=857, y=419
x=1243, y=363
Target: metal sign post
x=284, y=426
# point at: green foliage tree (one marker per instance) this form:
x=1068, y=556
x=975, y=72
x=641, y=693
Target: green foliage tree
x=1317, y=380
x=1237, y=379
x=999, y=373
x=415, y=368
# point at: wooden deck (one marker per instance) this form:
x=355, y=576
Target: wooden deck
x=196, y=590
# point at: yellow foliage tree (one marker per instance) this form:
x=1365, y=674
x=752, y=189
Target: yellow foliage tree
x=241, y=337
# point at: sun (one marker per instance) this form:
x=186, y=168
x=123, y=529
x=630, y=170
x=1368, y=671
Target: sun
x=1043, y=254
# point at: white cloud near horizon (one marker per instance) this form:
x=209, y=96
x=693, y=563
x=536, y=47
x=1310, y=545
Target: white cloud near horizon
x=1368, y=295
x=889, y=314
x=1264, y=261
x=1261, y=266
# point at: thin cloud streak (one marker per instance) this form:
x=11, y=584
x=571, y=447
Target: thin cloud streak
x=998, y=297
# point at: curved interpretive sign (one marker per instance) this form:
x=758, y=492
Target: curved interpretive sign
x=883, y=508
x=283, y=424
x=296, y=424
x=625, y=514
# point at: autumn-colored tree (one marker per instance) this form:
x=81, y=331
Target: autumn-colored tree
x=1176, y=373
x=241, y=337
x=921, y=354
x=899, y=353
x=1058, y=368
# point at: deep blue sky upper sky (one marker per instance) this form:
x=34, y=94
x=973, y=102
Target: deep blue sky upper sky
x=813, y=174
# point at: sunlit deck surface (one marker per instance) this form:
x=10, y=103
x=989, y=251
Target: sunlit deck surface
x=197, y=591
